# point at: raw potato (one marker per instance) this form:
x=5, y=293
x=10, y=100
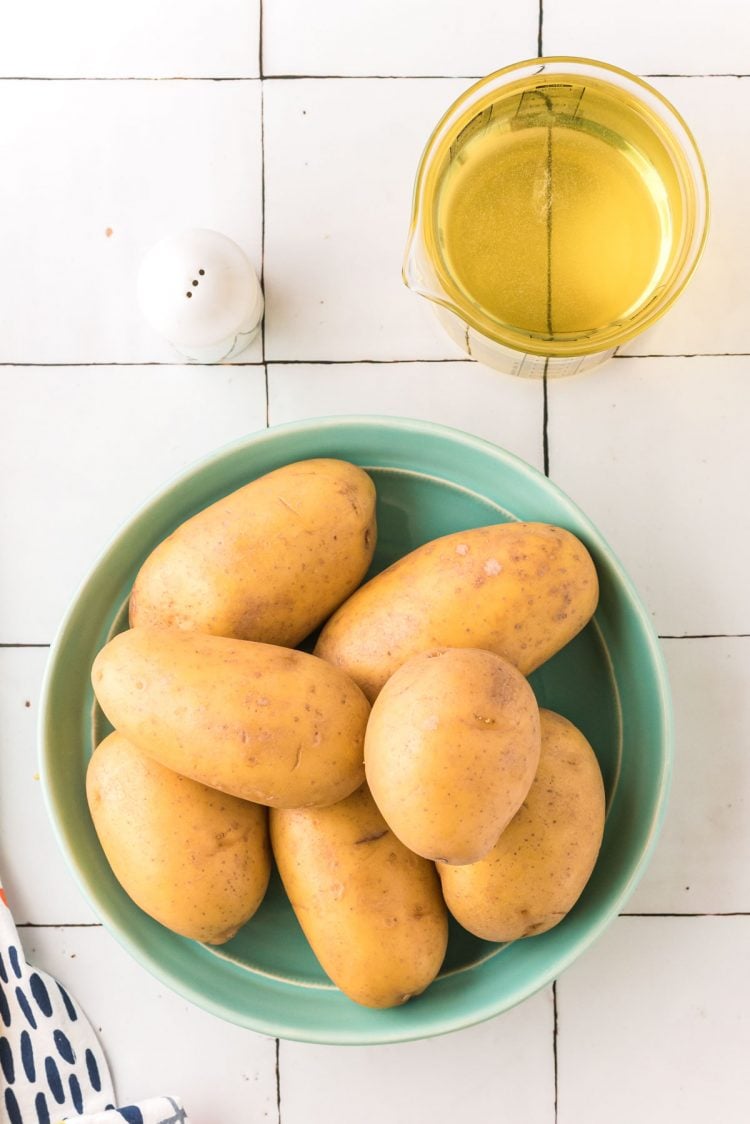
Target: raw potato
x=371, y=909
x=195, y=859
x=451, y=750
x=537, y=871
x=522, y=590
x=264, y=723
x=269, y=562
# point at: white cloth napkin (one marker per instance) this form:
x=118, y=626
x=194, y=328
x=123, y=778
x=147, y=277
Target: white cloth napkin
x=52, y=1066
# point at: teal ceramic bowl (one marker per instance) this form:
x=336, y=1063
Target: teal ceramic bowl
x=610, y=681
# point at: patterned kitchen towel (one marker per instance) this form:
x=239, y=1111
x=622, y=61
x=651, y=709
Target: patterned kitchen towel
x=157, y=1110
x=52, y=1067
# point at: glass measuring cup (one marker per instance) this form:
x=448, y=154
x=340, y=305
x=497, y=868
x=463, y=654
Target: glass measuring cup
x=560, y=207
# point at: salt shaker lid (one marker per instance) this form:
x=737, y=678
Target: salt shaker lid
x=197, y=287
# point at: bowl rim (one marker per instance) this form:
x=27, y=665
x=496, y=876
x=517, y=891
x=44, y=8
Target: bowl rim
x=455, y=1020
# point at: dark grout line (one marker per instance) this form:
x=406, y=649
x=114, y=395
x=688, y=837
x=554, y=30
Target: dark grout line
x=722, y=74
x=705, y=636
x=20, y=644
x=371, y=77
x=135, y=363
x=126, y=78
x=267, y=419
x=359, y=362
x=355, y=362
x=554, y=1040
x=344, y=362
x=59, y=925
x=260, y=39
x=687, y=355
x=253, y=363
x=305, y=77
x=263, y=233
x=237, y=77
x=278, y=1083
x=716, y=913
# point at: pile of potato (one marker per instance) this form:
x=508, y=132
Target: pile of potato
x=232, y=745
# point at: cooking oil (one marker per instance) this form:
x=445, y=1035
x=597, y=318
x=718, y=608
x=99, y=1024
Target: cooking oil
x=556, y=212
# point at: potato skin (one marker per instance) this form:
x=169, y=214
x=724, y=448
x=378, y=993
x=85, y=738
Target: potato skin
x=540, y=865
x=451, y=749
x=269, y=562
x=264, y=723
x=371, y=909
x=195, y=859
x=522, y=590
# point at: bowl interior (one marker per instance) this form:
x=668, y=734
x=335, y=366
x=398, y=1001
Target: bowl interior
x=609, y=681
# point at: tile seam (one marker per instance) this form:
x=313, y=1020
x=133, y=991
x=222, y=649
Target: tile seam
x=312, y=77
x=287, y=362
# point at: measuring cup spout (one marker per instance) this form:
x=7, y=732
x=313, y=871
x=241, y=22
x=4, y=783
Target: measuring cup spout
x=418, y=274
x=412, y=270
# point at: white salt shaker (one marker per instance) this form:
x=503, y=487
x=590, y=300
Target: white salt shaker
x=199, y=291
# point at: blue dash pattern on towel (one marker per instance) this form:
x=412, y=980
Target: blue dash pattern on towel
x=52, y=1066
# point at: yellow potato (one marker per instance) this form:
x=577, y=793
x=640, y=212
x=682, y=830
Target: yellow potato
x=371, y=909
x=522, y=590
x=269, y=562
x=539, y=867
x=193, y=858
x=264, y=723
x=451, y=749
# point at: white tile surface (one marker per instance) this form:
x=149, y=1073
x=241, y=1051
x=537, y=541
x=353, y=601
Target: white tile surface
x=385, y=37
x=81, y=449
x=84, y=38
x=653, y=1027
x=652, y=449
x=32, y=870
x=651, y=1022
x=710, y=316
x=101, y=171
x=501, y=1071
x=667, y=38
x=463, y=394
x=340, y=164
x=155, y=1042
x=702, y=862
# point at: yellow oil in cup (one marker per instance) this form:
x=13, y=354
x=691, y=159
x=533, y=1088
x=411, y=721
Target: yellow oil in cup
x=560, y=207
